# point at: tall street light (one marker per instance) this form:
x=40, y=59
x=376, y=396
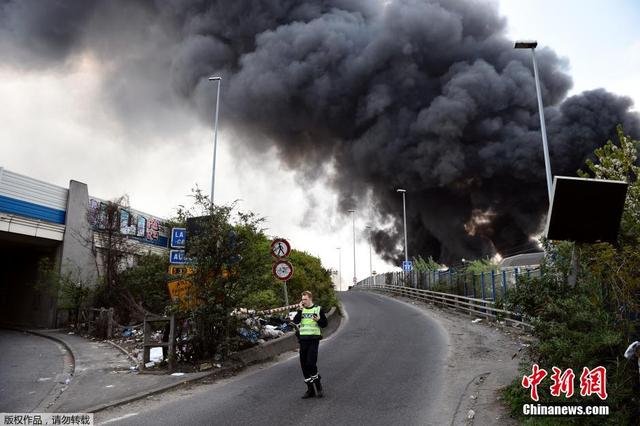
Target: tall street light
x=353, y=217
x=532, y=44
x=370, y=265
x=404, y=211
x=339, y=268
x=215, y=136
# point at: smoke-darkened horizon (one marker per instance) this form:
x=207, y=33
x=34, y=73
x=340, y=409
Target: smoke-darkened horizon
x=425, y=95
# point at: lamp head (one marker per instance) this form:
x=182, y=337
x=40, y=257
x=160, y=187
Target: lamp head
x=525, y=44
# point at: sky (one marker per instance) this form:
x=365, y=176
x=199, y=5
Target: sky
x=54, y=126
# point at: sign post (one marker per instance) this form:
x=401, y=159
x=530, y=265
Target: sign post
x=282, y=269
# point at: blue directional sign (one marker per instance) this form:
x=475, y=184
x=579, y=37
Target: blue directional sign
x=178, y=237
x=407, y=266
x=177, y=257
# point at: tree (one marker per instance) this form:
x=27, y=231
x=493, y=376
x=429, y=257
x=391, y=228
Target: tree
x=114, y=251
x=311, y=276
x=479, y=266
x=229, y=261
x=421, y=265
x=591, y=323
x=146, y=281
x=72, y=291
x=620, y=162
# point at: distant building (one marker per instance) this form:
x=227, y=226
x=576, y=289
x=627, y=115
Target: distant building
x=526, y=260
x=39, y=220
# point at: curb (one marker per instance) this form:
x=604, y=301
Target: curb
x=262, y=355
x=54, y=338
x=124, y=351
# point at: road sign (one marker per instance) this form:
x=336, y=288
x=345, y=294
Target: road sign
x=407, y=266
x=178, y=237
x=280, y=248
x=282, y=270
x=183, y=291
x=180, y=270
x=177, y=257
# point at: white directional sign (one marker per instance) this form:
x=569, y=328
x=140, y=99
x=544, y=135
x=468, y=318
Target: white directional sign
x=282, y=270
x=280, y=248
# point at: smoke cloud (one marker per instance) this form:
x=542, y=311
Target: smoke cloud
x=425, y=95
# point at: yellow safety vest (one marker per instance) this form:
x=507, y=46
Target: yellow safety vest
x=308, y=327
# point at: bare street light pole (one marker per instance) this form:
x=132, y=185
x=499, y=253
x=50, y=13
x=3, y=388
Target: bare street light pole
x=353, y=217
x=215, y=136
x=404, y=211
x=339, y=268
x=370, y=263
x=532, y=44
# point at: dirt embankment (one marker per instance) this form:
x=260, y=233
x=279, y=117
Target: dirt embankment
x=483, y=358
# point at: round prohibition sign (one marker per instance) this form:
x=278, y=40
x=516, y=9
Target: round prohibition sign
x=282, y=270
x=280, y=248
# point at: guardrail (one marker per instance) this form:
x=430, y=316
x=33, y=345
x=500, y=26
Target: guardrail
x=480, y=307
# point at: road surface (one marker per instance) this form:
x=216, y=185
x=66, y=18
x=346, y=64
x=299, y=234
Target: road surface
x=383, y=366
x=31, y=366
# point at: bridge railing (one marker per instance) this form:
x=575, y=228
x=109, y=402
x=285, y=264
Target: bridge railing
x=453, y=291
x=493, y=285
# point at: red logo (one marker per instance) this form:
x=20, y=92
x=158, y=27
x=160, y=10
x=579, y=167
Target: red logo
x=591, y=382
x=534, y=380
x=562, y=383
x=594, y=381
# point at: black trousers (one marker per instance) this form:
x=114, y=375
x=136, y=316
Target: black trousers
x=309, y=357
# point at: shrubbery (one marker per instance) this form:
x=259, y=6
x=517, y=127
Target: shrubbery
x=591, y=323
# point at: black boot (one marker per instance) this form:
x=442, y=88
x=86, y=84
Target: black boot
x=318, y=387
x=310, y=393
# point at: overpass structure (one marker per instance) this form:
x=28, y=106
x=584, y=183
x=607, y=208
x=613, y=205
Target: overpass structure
x=41, y=221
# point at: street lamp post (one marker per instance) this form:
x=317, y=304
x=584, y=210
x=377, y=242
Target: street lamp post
x=370, y=263
x=339, y=268
x=404, y=211
x=532, y=44
x=353, y=217
x=215, y=136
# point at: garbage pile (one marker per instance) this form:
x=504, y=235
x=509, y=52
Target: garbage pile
x=261, y=326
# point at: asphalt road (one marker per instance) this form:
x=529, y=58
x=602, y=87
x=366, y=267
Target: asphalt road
x=29, y=366
x=382, y=367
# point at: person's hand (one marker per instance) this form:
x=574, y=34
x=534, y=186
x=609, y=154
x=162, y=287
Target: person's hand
x=315, y=317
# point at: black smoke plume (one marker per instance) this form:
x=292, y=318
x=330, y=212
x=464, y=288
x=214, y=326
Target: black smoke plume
x=425, y=95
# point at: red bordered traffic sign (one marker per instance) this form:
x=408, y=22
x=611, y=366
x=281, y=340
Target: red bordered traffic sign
x=282, y=270
x=280, y=248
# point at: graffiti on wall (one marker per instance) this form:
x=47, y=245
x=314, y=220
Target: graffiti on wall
x=147, y=229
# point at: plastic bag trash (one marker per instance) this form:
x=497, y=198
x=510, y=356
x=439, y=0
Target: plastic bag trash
x=477, y=320
x=271, y=333
x=155, y=354
x=177, y=374
x=218, y=365
x=150, y=364
x=471, y=414
x=127, y=332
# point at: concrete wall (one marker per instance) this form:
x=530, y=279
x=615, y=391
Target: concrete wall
x=77, y=246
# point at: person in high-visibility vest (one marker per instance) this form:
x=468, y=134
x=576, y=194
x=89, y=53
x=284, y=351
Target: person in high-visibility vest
x=312, y=320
